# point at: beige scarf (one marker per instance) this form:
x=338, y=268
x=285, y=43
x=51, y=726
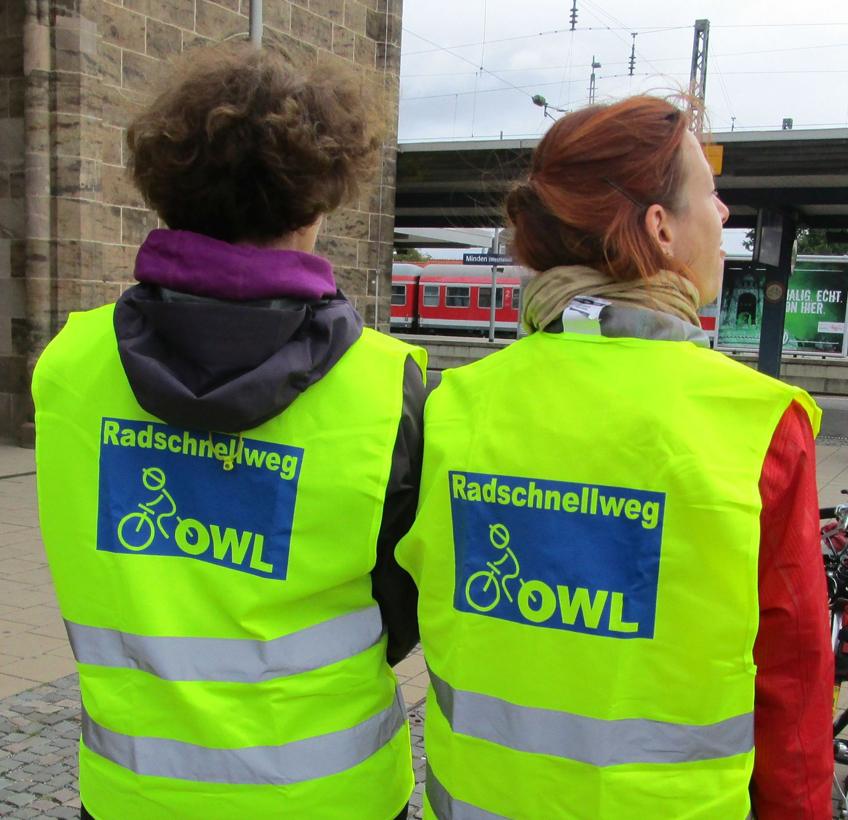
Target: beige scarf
x=550, y=292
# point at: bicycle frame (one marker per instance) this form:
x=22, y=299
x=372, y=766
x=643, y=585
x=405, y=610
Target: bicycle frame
x=834, y=539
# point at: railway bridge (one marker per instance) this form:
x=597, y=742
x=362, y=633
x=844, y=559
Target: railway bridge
x=773, y=181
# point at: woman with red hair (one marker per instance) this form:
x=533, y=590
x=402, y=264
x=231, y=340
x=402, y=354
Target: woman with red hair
x=616, y=547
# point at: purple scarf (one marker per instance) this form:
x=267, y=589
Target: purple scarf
x=193, y=263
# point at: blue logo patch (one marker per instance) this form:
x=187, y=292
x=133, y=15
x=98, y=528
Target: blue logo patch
x=170, y=491
x=551, y=553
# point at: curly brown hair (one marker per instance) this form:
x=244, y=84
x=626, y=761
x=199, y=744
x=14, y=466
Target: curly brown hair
x=245, y=145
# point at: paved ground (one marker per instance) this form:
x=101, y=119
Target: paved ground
x=39, y=695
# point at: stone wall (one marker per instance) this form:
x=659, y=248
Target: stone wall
x=13, y=343
x=72, y=73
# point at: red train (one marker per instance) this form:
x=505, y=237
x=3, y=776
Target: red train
x=456, y=299
x=451, y=299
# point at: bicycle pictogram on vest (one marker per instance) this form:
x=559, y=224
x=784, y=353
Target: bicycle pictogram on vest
x=486, y=597
x=136, y=530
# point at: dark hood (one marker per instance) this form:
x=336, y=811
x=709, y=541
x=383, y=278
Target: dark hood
x=220, y=364
x=226, y=367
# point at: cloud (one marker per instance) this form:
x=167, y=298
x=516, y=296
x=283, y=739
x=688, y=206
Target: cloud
x=757, y=73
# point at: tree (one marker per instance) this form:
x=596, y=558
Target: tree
x=813, y=241
x=411, y=255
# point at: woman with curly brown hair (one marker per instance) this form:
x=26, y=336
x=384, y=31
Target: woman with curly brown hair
x=226, y=460
x=620, y=578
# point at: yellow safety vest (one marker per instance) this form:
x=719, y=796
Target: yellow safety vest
x=586, y=552
x=231, y=655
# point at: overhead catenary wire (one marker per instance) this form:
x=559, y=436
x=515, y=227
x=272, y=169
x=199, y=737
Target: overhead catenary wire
x=489, y=90
x=540, y=34
x=722, y=85
x=610, y=77
x=643, y=30
x=590, y=5
x=470, y=62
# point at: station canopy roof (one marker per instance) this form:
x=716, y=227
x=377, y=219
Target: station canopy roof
x=462, y=184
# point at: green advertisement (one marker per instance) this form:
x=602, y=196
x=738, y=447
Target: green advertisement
x=815, y=307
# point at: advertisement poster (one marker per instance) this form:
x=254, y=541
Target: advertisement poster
x=815, y=306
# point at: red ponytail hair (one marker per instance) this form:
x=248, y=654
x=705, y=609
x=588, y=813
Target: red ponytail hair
x=592, y=178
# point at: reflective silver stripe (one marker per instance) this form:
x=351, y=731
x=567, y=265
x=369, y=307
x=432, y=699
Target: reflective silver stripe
x=229, y=659
x=293, y=762
x=446, y=807
x=589, y=740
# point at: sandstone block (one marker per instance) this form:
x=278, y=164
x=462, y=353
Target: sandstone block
x=18, y=257
x=76, y=178
x=139, y=72
x=34, y=259
x=388, y=58
x=331, y=9
x=235, y=5
x=122, y=27
x=76, y=46
x=176, y=12
x=294, y=48
x=351, y=280
x=16, y=97
x=276, y=14
x=11, y=56
x=118, y=188
x=118, y=107
x=339, y=250
x=347, y=222
x=12, y=374
x=313, y=29
x=343, y=42
x=218, y=22
x=77, y=136
x=12, y=218
x=20, y=335
x=112, y=142
x=365, y=51
x=110, y=64
x=118, y=263
x=163, y=39
x=136, y=224
x=355, y=16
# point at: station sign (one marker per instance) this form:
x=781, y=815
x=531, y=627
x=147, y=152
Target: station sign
x=486, y=259
x=816, y=302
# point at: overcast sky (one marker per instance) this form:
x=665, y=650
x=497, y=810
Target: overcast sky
x=767, y=60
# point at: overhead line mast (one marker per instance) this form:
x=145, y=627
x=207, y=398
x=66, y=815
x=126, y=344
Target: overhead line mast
x=633, y=55
x=698, y=76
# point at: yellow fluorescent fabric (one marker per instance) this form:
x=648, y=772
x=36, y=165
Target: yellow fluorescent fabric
x=586, y=552
x=224, y=610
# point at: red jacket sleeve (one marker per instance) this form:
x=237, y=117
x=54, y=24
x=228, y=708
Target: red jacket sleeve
x=793, y=765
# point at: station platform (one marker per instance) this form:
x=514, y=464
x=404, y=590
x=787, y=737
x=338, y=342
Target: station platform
x=825, y=379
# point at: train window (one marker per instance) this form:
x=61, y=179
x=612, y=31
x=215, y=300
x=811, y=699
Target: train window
x=457, y=296
x=398, y=294
x=484, y=298
x=431, y=295
x=516, y=298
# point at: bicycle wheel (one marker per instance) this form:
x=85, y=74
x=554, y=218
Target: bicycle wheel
x=479, y=596
x=136, y=536
x=840, y=755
